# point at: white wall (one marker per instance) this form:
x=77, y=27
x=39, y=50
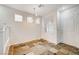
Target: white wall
x=19, y=32
x=70, y=21
x=50, y=36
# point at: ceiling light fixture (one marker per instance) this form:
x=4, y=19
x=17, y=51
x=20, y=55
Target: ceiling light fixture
x=35, y=13
x=37, y=18
x=40, y=5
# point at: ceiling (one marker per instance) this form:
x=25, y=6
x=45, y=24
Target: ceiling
x=41, y=9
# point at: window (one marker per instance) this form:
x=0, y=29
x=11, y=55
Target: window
x=37, y=21
x=29, y=20
x=18, y=18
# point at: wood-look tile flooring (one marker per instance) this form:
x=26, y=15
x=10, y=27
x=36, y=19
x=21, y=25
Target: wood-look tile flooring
x=42, y=47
